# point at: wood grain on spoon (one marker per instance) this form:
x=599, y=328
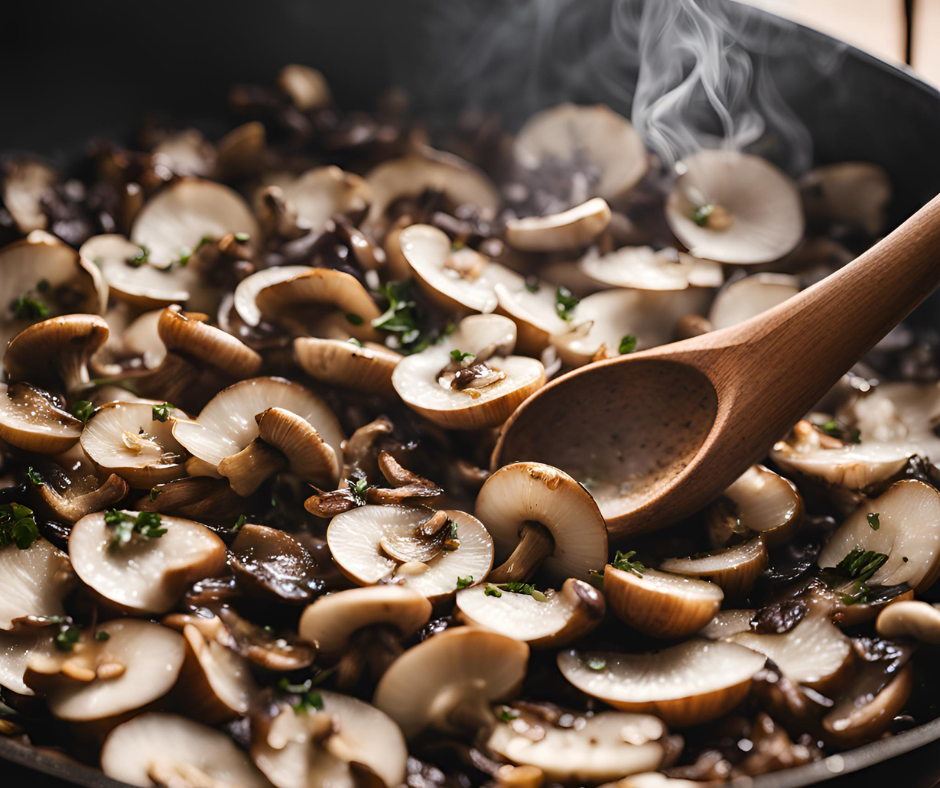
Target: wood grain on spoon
x=656, y=435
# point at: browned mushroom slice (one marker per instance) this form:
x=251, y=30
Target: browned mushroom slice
x=33, y=582
x=270, y=563
x=745, y=298
x=307, y=87
x=868, y=707
x=853, y=194
x=734, y=568
x=246, y=293
x=689, y=684
x=918, y=620
x=448, y=682
x=348, y=364
x=77, y=500
x=199, y=498
x=241, y=151
x=323, y=192
x=36, y=421
x=125, y=559
x=569, y=229
x=269, y=648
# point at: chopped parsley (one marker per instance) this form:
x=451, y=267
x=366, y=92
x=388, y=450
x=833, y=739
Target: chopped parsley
x=834, y=429
x=154, y=494
x=83, y=410
x=35, y=476
x=160, y=412
x=206, y=239
x=465, y=582
x=354, y=341
x=507, y=714
x=492, y=591
x=625, y=563
x=533, y=288
x=459, y=356
x=456, y=245
x=353, y=318
x=874, y=520
x=627, y=344
x=400, y=317
x=68, y=636
x=146, y=524
x=102, y=636
x=43, y=286
x=140, y=258
x=17, y=526
x=185, y=254
x=596, y=663
x=239, y=523
x=859, y=565
x=358, y=488
x=309, y=698
x=28, y=308
x=565, y=303
x=242, y=238
x=701, y=214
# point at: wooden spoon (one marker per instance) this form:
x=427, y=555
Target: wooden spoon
x=656, y=435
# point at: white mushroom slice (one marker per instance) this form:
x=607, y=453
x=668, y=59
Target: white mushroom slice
x=32, y=420
x=141, y=338
x=354, y=539
x=644, y=268
x=660, y=604
x=578, y=136
x=535, y=311
x=127, y=439
x=734, y=208
x=734, y=568
x=689, y=684
x=216, y=681
x=727, y=623
x=541, y=518
x=448, y=682
x=605, y=746
x=652, y=780
x=908, y=532
x=16, y=650
x=569, y=229
x=555, y=618
x=174, y=221
x=176, y=751
x=759, y=501
x=854, y=194
x=147, y=574
x=412, y=175
x=307, y=87
x=321, y=193
x=139, y=282
x=247, y=290
x=814, y=652
x=186, y=153
x=482, y=389
x=917, y=620
x=748, y=297
x=25, y=183
x=351, y=365
x=33, y=582
x=101, y=679
x=457, y=280
x=307, y=749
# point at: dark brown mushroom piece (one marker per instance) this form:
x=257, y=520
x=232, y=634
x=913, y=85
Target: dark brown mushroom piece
x=268, y=563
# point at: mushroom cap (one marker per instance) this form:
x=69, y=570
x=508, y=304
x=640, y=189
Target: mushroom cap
x=332, y=620
x=918, y=620
x=594, y=135
x=745, y=298
x=32, y=420
x=354, y=536
x=692, y=683
x=217, y=680
x=125, y=438
x=185, y=152
x=534, y=310
x=189, y=335
x=147, y=575
x=764, y=202
x=142, y=337
x=416, y=376
x=167, y=741
x=607, y=746
x=368, y=368
x=152, y=656
x=645, y=268
x=533, y=492
x=661, y=604
x=570, y=229
x=908, y=533
x=565, y=616
x=308, y=455
x=864, y=715
x=269, y=563
x=733, y=568
x=80, y=499
x=25, y=182
x=181, y=214
x=765, y=503
x=307, y=87
x=227, y=423
x=321, y=193
x=464, y=666
x=16, y=650
x=246, y=292
x=33, y=582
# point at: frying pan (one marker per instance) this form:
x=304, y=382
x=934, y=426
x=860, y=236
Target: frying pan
x=73, y=71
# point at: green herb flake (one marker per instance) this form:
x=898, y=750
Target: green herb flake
x=239, y=523
x=140, y=258
x=206, y=239
x=309, y=699
x=533, y=288
x=492, y=591
x=458, y=356
x=834, y=429
x=35, y=476
x=701, y=213
x=565, y=303
x=507, y=714
x=874, y=520
x=185, y=254
x=358, y=488
x=17, y=526
x=859, y=565
x=154, y=494
x=242, y=238
x=83, y=410
x=401, y=317
x=355, y=342
x=161, y=412
x=147, y=524
x=355, y=319
x=625, y=563
x=43, y=286
x=102, y=636
x=465, y=582
x=627, y=344
x=596, y=663
x=68, y=636
x=26, y=307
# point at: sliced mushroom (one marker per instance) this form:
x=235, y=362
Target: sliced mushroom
x=645, y=268
x=541, y=518
x=360, y=538
x=661, y=604
x=271, y=564
x=25, y=183
x=348, y=364
x=76, y=501
x=748, y=297
x=307, y=87
x=33, y=582
x=479, y=390
x=541, y=315
x=272, y=649
x=321, y=193
x=907, y=516
x=199, y=498
x=101, y=679
x=569, y=229
x=164, y=749
x=918, y=620
x=577, y=136
x=689, y=684
x=34, y=420
x=16, y=650
x=242, y=151
x=734, y=568
x=727, y=623
x=128, y=438
x=185, y=152
x=145, y=574
x=246, y=293
x=546, y=619
x=734, y=208
x=866, y=711
x=448, y=682
x=652, y=780
x=604, y=746
x=854, y=194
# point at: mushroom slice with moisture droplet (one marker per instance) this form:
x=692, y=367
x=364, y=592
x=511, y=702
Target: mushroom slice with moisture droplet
x=867, y=708
x=479, y=390
x=33, y=582
x=77, y=500
x=355, y=538
x=101, y=679
x=695, y=682
x=645, y=268
x=727, y=623
x=247, y=290
x=604, y=746
x=745, y=298
x=448, y=682
x=660, y=604
x=36, y=421
x=330, y=744
x=814, y=653
x=734, y=568
x=569, y=229
x=16, y=650
x=321, y=193
x=908, y=533
x=854, y=194
x=271, y=564
x=227, y=425
x=546, y=619
x=56, y=352
x=734, y=208
x=145, y=574
x=577, y=136
x=918, y=620
x=348, y=364
x=541, y=519
x=43, y=277
x=307, y=87
x=165, y=749
x=128, y=439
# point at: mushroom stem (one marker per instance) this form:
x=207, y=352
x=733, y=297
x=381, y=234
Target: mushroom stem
x=74, y=372
x=171, y=381
x=535, y=545
x=251, y=466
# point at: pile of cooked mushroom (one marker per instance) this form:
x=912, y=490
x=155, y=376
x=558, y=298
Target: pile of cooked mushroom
x=249, y=531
